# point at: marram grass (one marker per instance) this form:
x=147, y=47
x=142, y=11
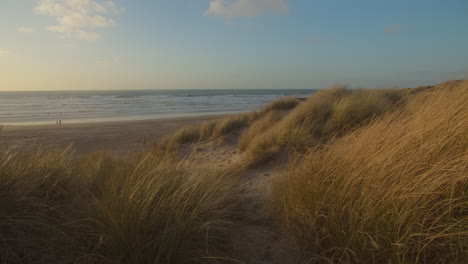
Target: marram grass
x=394, y=191
x=379, y=176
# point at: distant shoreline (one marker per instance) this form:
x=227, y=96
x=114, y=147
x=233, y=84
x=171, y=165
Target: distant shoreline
x=33, y=108
x=123, y=119
x=119, y=135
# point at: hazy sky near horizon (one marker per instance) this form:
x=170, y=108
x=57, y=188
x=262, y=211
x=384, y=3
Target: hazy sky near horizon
x=207, y=44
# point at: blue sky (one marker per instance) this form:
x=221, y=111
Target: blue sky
x=197, y=44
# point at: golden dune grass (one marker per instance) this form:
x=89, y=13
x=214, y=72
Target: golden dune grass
x=148, y=208
x=281, y=104
x=382, y=177
x=324, y=115
x=394, y=191
x=230, y=124
x=209, y=130
x=260, y=126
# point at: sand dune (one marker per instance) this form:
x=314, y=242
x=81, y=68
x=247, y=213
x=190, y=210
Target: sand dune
x=366, y=176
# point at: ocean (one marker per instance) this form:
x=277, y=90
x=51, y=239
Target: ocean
x=35, y=108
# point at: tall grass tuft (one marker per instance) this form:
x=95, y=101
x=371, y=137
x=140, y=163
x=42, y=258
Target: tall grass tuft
x=34, y=197
x=394, y=191
x=281, y=104
x=260, y=126
x=231, y=124
x=146, y=208
x=324, y=115
x=209, y=130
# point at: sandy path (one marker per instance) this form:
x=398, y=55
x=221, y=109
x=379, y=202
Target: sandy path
x=255, y=240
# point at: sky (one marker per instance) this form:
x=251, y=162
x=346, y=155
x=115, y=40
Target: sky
x=235, y=44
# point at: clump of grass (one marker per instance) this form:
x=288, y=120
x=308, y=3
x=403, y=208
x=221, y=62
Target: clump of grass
x=394, y=191
x=324, y=115
x=34, y=195
x=230, y=124
x=146, y=208
x=209, y=130
x=188, y=134
x=260, y=126
x=358, y=107
x=281, y=104
x=233, y=124
x=161, y=212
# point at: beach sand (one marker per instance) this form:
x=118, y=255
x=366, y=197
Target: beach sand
x=118, y=137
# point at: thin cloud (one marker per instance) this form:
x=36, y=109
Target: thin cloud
x=394, y=29
x=79, y=18
x=25, y=30
x=114, y=60
x=317, y=40
x=245, y=8
x=4, y=52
